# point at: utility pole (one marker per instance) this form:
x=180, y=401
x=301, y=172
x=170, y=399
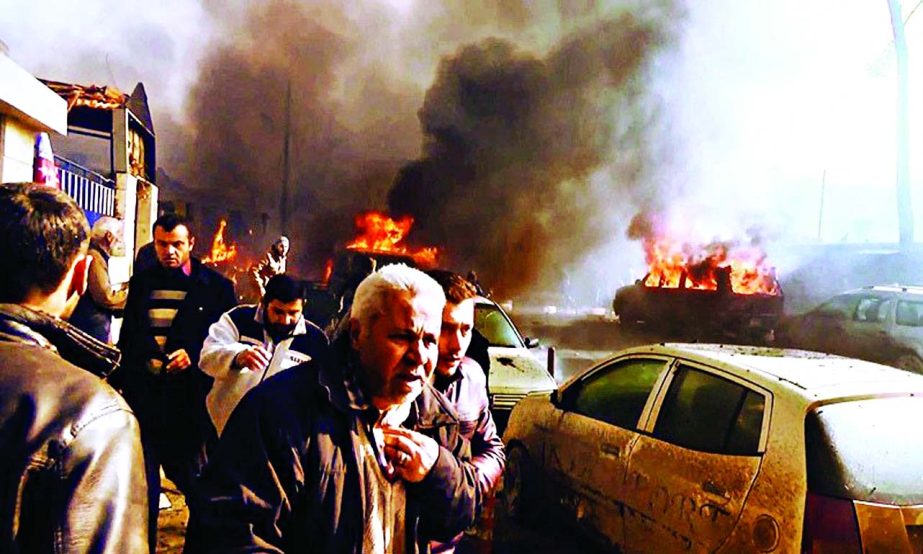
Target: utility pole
x=286, y=147
x=904, y=206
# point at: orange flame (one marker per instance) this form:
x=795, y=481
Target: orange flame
x=328, y=271
x=382, y=234
x=674, y=265
x=222, y=249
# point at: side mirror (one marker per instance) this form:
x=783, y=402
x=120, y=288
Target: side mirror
x=532, y=342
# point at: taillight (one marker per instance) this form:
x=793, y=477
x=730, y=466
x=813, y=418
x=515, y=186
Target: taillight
x=830, y=525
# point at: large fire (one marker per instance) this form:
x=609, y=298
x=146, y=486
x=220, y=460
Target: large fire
x=672, y=264
x=382, y=234
x=222, y=249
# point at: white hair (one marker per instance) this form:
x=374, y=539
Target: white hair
x=375, y=291
x=103, y=225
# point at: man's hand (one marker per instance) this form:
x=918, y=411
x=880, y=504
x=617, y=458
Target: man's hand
x=411, y=454
x=254, y=358
x=177, y=361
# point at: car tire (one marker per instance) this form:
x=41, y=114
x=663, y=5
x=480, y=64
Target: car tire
x=909, y=362
x=518, y=485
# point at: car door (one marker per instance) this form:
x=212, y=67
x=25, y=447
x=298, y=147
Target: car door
x=822, y=328
x=588, y=452
x=865, y=335
x=689, y=474
x=907, y=331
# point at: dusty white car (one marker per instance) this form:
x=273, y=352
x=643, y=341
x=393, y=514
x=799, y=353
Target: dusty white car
x=709, y=448
x=514, y=370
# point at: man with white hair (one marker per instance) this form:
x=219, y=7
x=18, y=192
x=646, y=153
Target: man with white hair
x=94, y=312
x=335, y=455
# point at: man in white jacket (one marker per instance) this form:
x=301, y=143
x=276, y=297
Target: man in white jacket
x=250, y=343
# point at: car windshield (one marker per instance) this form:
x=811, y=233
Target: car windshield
x=867, y=450
x=492, y=323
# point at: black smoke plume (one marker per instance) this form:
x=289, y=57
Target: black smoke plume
x=511, y=140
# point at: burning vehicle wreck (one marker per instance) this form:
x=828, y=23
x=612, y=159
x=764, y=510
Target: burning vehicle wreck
x=695, y=311
x=719, y=290
x=513, y=371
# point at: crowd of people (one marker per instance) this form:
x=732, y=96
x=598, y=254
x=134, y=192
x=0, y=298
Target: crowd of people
x=376, y=438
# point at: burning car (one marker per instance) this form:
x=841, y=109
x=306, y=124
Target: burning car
x=720, y=290
x=513, y=373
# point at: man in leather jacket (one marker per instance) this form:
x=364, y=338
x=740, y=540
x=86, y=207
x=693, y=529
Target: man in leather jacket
x=335, y=455
x=70, y=454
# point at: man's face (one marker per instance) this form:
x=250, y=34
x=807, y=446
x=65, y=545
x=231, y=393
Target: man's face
x=457, y=323
x=399, y=349
x=281, y=247
x=281, y=317
x=173, y=247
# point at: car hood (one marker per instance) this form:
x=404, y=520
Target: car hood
x=515, y=370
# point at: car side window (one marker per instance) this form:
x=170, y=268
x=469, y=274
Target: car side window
x=909, y=314
x=883, y=310
x=867, y=309
x=843, y=305
x=702, y=411
x=617, y=394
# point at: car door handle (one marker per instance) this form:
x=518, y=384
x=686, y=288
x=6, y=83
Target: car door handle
x=711, y=488
x=611, y=450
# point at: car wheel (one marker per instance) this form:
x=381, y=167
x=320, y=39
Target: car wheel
x=517, y=484
x=909, y=362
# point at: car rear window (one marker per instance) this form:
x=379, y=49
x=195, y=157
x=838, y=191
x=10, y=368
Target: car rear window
x=705, y=412
x=867, y=450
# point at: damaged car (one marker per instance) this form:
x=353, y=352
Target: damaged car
x=881, y=324
x=716, y=448
x=514, y=371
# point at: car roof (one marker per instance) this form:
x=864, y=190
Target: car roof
x=895, y=288
x=812, y=376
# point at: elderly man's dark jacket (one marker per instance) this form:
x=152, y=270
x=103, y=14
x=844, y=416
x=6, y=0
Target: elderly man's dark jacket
x=70, y=454
x=286, y=476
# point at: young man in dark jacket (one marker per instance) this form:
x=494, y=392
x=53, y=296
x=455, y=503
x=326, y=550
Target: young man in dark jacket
x=70, y=454
x=464, y=384
x=335, y=455
x=167, y=315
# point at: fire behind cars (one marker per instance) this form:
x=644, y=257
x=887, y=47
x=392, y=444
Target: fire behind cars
x=683, y=447
x=702, y=292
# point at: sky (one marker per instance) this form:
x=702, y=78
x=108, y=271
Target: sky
x=772, y=115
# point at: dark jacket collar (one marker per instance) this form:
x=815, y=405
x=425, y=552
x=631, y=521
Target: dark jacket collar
x=25, y=325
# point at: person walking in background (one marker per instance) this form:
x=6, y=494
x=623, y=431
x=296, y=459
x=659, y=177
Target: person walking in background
x=95, y=309
x=251, y=343
x=272, y=263
x=167, y=315
x=70, y=451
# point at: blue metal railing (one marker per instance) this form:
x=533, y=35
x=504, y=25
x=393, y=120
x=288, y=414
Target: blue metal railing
x=93, y=192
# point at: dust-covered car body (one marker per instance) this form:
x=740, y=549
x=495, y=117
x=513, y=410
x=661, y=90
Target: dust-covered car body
x=881, y=324
x=732, y=449
x=514, y=372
